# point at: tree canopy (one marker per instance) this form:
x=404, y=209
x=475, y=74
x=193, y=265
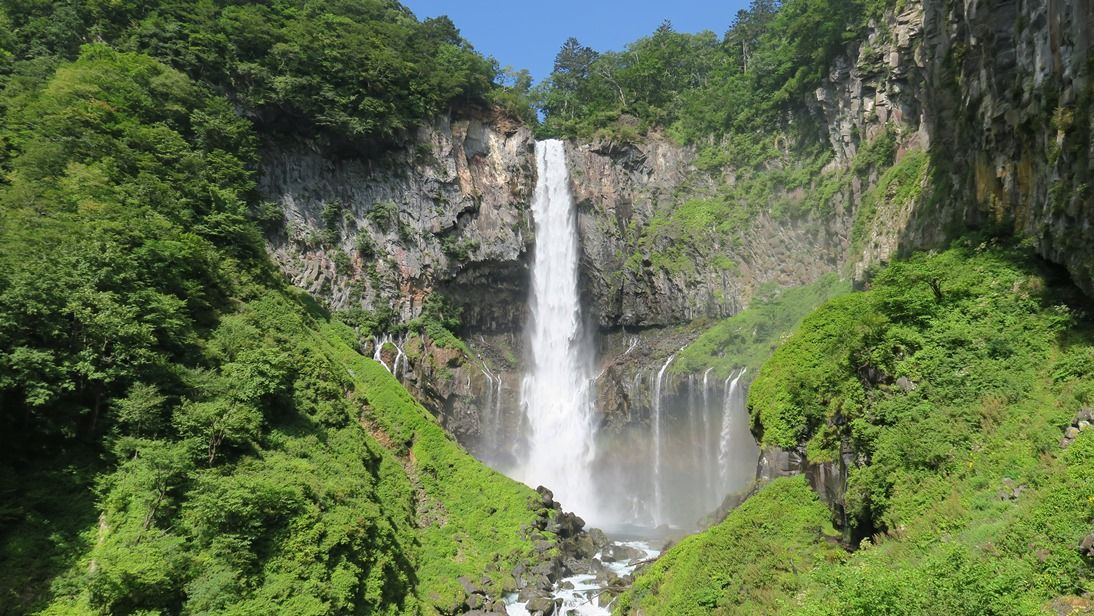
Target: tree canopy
x=346, y=69
x=698, y=85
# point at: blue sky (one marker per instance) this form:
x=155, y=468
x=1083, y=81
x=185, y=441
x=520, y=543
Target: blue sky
x=528, y=34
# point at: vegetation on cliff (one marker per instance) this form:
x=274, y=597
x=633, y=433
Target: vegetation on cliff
x=699, y=85
x=347, y=69
x=950, y=381
x=744, y=565
x=749, y=337
x=181, y=432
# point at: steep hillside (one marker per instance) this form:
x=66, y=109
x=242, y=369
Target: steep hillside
x=941, y=397
x=183, y=432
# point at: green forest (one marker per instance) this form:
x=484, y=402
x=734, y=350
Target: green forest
x=184, y=431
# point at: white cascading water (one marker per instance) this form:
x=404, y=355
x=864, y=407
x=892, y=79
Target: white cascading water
x=491, y=426
x=555, y=392
x=658, y=504
x=731, y=405
x=708, y=462
x=400, y=360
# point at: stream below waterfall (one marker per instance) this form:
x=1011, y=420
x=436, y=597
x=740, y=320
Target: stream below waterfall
x=584, y=594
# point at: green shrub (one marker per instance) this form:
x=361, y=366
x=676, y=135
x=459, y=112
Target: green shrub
x=746, y=564
x=949, y=381
x=748, y=338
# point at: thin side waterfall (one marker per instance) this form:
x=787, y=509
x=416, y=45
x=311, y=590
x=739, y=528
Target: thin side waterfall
x=497, y=406
x=656, y=421
x=378, y=352
x=400, y=360
x=491, y=429
x=693, y=425
x=731, y=404
x=555, y=392
x=708, y=462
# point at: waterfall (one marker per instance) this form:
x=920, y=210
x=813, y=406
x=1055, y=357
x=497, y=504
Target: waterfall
x=656, y=421
x=708, y=458
x=400, y=360
x=555, y=392
x=491, y=427
x=693, y=424
x=492, y=444
x=731, y=404
x=378, y=351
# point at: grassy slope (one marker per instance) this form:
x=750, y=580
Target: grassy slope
x=751, y=559
x=748, y=338
x=477, y=516
x=1001, y=362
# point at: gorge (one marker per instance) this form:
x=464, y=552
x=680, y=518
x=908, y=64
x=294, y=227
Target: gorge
x=311, y=308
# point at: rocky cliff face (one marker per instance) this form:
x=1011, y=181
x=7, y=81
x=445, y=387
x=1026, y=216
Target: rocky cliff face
x=1011, y=109
x=996, y=98
x=999, y=95
x=449, y=212
x=620, y=188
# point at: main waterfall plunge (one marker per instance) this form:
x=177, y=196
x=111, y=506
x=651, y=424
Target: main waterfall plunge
x=555, y=393
x=687, y=445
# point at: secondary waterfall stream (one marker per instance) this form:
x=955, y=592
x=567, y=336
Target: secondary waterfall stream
x=731, y=403
x=555, y=392
x=655, y=428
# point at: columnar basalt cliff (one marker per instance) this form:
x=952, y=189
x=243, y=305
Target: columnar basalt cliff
x=999, y=96
x=1011, y=93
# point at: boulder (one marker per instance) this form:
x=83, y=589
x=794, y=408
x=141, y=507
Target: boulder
x=1086, y=546
x=547, y=569
x=576, y=566
x=469, y=587
x=597, y=536
x=541, y=606
x=581, y=546
x=547, y=497
x=1084, y=419
x=1011, y=489
x=531, y=593
x=906, y=384
x=615, y=552
x=475, y=602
